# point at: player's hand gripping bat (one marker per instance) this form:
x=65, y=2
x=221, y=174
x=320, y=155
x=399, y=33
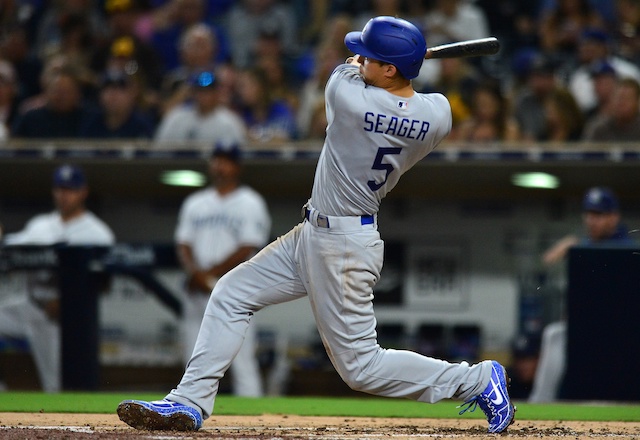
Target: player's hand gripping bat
x=467, y=48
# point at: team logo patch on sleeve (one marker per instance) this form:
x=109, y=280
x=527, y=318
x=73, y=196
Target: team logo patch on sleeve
x=403, y=105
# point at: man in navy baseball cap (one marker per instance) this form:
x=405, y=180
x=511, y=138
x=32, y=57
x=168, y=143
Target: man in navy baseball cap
x=69, y=176
x=232, y=152
x=600, y=200
x=601, y=217
x=602, y=224
x=601, y=220
x=70, y=191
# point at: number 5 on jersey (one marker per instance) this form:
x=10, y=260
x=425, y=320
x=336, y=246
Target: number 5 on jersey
x=379, y=165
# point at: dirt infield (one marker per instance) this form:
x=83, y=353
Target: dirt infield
x=100, y=426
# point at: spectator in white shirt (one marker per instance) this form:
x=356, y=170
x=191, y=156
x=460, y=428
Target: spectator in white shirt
x=204, y=118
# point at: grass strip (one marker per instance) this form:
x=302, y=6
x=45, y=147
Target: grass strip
x=106, y=403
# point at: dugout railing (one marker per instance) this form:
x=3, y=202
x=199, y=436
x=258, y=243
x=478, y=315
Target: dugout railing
x=83, y=273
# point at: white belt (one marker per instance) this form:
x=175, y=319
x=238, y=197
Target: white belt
x=350, y=223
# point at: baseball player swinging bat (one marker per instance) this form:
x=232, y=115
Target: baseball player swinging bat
x=467, y=48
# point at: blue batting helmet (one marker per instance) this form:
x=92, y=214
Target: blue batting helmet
x=392, y=40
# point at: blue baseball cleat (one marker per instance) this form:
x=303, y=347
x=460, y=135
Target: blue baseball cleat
x=163, y=415
x=494, y=401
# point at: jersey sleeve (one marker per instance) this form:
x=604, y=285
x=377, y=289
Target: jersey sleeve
x=341, y=74
x=104, y=235
x=36, y=231
x=444, y=128
x=91, y=230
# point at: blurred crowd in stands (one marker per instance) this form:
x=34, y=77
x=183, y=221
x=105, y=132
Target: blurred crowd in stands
x=253, y=71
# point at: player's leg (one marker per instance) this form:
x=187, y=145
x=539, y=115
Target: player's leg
x=192, y=312
x=551, y=365
x=12, y=317
x=45, y=340
x=271, y=277
x=12, y=320
x=342, y=271
x=246, y=379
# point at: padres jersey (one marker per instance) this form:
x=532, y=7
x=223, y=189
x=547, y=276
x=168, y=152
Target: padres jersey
x=390, y=134
x=46, y=229
x=215, y=226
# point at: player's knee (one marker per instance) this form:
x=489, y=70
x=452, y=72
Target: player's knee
x=225, y=297
x=355, y=383
x=358, y=380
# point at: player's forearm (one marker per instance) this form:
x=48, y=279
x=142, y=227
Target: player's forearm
x=558, y=251
x=242, y=254
x=187, y=261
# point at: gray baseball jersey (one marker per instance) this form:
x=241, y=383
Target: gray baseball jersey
x=387, y=136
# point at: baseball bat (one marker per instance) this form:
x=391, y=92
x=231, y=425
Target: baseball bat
x=467, y=48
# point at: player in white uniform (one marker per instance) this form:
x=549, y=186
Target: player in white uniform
x=218, y=228
x=378, y=127
x=35, y=315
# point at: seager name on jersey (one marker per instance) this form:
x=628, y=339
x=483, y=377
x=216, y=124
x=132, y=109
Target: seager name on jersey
x=393, y=125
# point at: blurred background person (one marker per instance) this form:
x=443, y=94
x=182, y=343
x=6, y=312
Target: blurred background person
x=119, y=115
x=602, y=222
x=68, y=26
x=205, y=119
x=513, y=22
x=267, y=119
x=219, y=228
x=458, y=80
x=329, y=53
x=623, y=122
x=247, y=18
x=627, y=29
x=312, y=18
x=490, y=119
x=197, y=47
x=179, y=16
x=35, y=316
x=53, y=65
x=540, y=82
x=123, y=56
x=76, y=44
x=15, y=48
x=62, y=113
x=281, y=75
x=604, y=79
x=448, y=21
x=563, y=119
x=8, y=98
x=454, y=20
x=595, y=46
x=562, y=24
x=124, y=49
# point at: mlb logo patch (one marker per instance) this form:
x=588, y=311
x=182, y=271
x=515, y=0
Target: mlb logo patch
x=403, y=105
